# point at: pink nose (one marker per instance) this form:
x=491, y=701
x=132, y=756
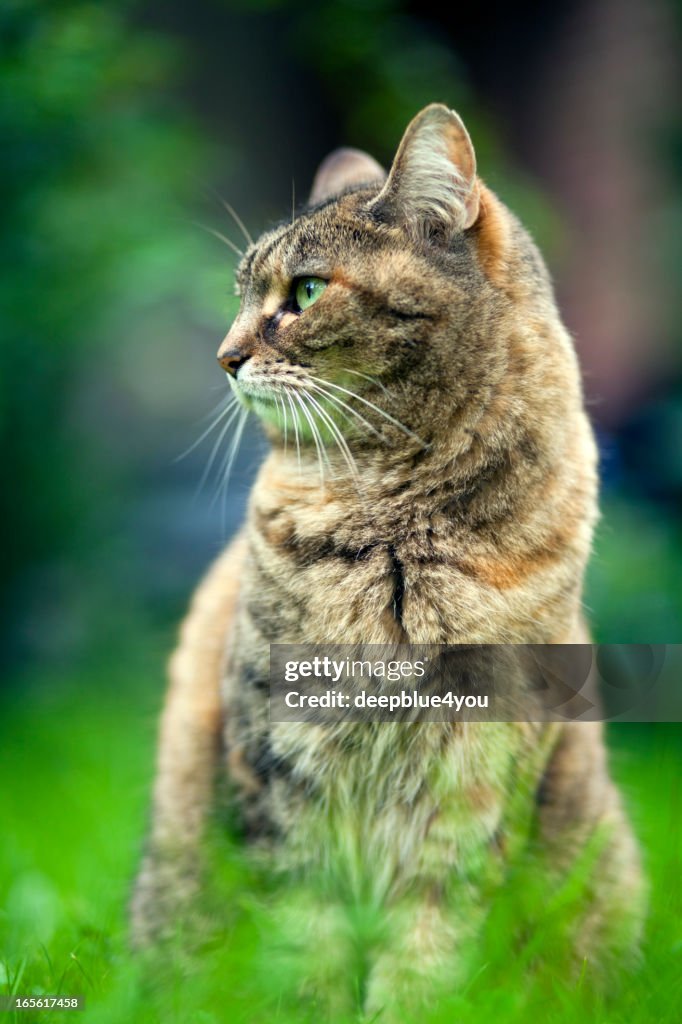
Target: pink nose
x=232, y=360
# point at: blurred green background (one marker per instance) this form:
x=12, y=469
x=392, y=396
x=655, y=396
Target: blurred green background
x=122, y=126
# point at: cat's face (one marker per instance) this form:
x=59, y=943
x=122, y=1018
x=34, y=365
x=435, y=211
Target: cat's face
x=372, y=310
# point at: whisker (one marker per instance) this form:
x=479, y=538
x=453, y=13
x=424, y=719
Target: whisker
x=225, y=405
x=339, y=402
x=376, y=408
x=294, y=417
x=337, y=436
x=280, y=401
x=320, y=446
x=235, y=448
x=372, y=380
x=228, y=461
x=293, y=200
x=299, y=398
x=223, y=238
x=229, y=397
x=216, y=446
x=316, y=430
x=238, y=221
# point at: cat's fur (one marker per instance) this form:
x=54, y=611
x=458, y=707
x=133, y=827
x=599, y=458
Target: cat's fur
x=470, y=520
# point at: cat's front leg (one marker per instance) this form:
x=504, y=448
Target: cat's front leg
x=188, y=757
x=314, y=937
x=420, y=959
x=582, y=828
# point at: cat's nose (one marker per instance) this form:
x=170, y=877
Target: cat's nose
x=232, y=360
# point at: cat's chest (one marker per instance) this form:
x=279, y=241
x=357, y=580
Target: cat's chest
x=402, y=802
x=326, y=595
x=337, y=573
x=360, y=585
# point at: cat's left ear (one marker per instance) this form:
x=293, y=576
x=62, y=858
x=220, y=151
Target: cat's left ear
x=344, y=169
x=431, y=188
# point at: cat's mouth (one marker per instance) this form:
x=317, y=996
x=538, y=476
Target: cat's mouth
x=318, y=410
x=263, y=403
x=292, y=411
x=252, y=394
x=261, y=399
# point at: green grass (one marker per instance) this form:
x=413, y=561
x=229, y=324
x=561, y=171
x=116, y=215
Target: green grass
x=76, y=757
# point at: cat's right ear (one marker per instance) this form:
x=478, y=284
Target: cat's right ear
x=344, y=169
x=432, y=187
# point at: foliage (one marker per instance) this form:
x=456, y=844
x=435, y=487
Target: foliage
x=72, y=805
x=93, y=172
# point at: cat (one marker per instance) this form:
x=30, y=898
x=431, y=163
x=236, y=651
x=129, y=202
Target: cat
x=432, y=479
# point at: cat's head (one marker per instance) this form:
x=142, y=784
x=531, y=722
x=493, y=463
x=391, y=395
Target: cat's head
x=376, y=314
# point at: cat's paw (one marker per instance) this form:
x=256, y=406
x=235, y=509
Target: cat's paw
x=396, y=996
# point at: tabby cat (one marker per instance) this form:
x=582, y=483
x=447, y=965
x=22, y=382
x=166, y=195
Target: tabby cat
x=432, y=479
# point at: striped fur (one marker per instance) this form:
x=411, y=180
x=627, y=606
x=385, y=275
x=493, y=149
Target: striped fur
x=461, y=511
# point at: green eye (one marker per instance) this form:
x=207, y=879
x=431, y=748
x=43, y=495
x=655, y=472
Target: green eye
x=308, y=290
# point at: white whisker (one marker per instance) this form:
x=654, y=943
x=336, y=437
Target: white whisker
x=228, y=461
x=225, y=405
x=299, y=398
x=216, y=446
x=238, y=221
x=223, y=238
x=337, y=436
x=280, y=401
x=294, y=417
x=228, y=398
x=376, y=408
x=372, y=380
x=340, y=404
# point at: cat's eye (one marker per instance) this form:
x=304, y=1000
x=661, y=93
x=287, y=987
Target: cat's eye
x=307, y=290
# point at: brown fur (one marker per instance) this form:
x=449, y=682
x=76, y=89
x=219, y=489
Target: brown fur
x=470, y=521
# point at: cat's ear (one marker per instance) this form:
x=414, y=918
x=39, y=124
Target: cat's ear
x=431, y=188
x=343, y=169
